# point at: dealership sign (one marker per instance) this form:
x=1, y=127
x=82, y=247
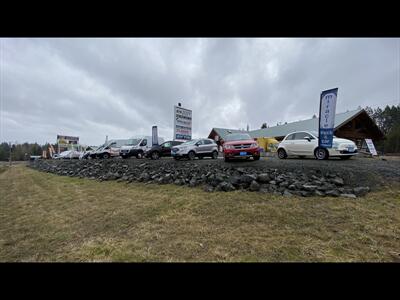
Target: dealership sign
x=182, y=123
x=154, y=135
x=63, y=140
x=327, y=110
x=371, y=147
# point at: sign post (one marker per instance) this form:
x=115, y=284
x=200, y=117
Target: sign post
x=182, y=124
x=154, y=135
x=327, y=110
x=371, y=147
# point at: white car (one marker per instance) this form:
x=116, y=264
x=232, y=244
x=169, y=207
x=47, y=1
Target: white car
x=69, y=154
x=138, y=146
x=305, y=143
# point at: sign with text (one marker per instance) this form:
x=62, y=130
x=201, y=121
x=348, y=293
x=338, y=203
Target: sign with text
x=182, y=123
x=154, y=135
x=371, y=147
x=67, y=140
x=327, y=110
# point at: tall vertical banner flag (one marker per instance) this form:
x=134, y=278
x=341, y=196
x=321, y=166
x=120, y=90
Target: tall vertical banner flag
x=327, y=111
x=154, y=135
x=182, y=123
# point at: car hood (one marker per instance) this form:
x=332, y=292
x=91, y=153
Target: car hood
x=240, y=142
x=340, y=140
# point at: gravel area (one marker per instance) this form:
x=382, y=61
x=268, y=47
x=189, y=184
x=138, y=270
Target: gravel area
x=303, y=177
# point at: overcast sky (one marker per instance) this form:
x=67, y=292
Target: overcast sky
x=121, y=87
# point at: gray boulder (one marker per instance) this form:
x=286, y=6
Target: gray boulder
x=254, y=186
x=361, y=191
x=348, y=196
x=264, y=177
x=332, y=193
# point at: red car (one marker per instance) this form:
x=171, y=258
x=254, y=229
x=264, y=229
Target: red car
x=240, y=145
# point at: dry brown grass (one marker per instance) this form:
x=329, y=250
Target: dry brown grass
x=46, y=217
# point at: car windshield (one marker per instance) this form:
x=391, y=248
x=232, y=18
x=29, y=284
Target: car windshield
x=133, y=142
x=237, y=137
x=192, y=142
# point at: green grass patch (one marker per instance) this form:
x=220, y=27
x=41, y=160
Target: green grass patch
x=45, y=217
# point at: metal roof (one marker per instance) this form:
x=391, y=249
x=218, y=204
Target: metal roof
x=284, y=129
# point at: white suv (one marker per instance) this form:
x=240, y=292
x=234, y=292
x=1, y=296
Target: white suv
x=305, y=143
x=196, y=148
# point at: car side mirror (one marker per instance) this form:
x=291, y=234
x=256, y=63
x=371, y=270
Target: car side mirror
x=197, y=144
x=307, y=138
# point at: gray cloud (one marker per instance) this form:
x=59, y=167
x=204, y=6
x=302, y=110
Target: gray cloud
x=121, y=87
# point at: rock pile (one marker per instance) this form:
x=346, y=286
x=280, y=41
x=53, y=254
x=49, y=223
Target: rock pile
x=211, y=176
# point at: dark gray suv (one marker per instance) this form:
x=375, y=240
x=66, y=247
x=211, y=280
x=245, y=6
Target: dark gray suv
x=196, y=148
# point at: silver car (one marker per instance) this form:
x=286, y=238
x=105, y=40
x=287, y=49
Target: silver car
x=195, y=148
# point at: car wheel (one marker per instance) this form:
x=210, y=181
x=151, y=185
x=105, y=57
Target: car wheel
x=177, y=158
x=214, y=155
x=321, y=153
x=200, y=157
x=106, y=155
x=282, y=153
x=345, y=157
x=139, y=155
x=155, y=155
x=124, y=156
x=256, y=157
x=191, y=155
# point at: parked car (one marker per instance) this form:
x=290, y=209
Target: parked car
x=110, y=149
x=305, y=143
x=195, y=148
x=240, y=145
x=88, y=151
x=162, y=150
x=64, y=155
x=138, y=147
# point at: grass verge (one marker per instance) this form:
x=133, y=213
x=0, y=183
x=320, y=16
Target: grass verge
x=45, y=217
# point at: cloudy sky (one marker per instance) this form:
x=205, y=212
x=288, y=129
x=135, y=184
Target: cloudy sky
x=121, y=87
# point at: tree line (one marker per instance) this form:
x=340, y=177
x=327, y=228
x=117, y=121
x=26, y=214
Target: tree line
x=21, y=151
x=388, y=120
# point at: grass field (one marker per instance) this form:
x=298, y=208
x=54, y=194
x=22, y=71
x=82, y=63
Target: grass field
x=45, y=217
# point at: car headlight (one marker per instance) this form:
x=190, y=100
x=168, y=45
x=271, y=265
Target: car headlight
x=183, y=148
x=253, y=145
x=229, y=147
x=335, y=145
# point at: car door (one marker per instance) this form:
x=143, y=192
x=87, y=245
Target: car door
x=300, y=143
x=200, y=147
x=143, y=145
x=166, y=149
x=310, y=145
x=288, y=143
x=208, y=145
